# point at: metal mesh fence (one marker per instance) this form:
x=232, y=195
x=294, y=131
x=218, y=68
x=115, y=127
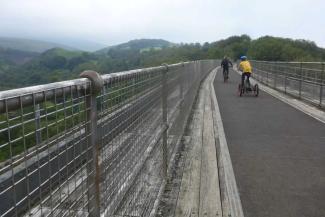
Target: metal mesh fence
x=68, y=151
x=44, y=152
x=304, y=80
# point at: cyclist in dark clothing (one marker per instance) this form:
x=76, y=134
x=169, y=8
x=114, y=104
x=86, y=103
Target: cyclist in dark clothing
x=225, y=65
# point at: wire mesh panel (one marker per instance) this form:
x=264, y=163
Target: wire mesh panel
x=44, y=152
x=130, y=133
x=67, y=151
x=304, y=80
x=293, y=86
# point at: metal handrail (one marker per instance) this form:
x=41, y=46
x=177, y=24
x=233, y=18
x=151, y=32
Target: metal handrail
x=71, y=150
x=287, y=62
x=309, y=81
x=27, y=96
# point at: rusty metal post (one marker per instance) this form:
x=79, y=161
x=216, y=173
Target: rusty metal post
x=164, y=94
x=93, y=171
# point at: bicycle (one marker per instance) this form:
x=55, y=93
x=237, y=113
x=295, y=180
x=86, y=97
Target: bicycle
x=225, y=75
x=247, y=88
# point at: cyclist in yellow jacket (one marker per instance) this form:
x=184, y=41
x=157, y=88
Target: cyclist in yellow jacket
x=246, y=69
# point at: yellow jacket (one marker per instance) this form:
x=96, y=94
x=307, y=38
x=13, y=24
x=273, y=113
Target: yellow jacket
x=245, y=66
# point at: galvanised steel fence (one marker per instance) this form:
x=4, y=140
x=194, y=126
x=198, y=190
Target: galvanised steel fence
x=94, y=146
x=304, y=80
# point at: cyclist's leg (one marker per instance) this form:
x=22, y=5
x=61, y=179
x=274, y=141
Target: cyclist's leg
x=248, y=75
x=227, y=72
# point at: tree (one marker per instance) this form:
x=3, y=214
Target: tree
x=54, y=62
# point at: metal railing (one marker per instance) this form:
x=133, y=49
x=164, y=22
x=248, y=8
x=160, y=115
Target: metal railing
x=98, y=146
x=304, y=80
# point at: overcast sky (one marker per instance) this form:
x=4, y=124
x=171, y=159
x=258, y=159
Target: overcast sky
x=115, y=21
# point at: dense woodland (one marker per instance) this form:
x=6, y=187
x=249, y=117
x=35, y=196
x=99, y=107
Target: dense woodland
x=22, y=68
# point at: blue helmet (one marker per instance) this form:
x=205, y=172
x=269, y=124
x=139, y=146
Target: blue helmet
x=243, y=57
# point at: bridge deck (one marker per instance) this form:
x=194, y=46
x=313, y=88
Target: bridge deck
x=199, y=194
x=278, y=153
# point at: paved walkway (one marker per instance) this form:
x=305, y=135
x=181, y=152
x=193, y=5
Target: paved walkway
x=277, y=152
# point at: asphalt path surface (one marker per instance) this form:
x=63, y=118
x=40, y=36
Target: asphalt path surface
x=277, y=152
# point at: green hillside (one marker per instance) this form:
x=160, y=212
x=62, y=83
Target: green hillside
x=139, y=44
x=12, y=56
x=58, y=64
x=30, y=45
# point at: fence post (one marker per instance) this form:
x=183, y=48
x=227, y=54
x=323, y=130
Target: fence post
x=321, y=85
x=262, y=72
x=38, y=124
x=275, y=73
x=300, y=80
x=93, y=172
x=258, y=72
x=164, y=119
x=267, y=75
x=285, y=76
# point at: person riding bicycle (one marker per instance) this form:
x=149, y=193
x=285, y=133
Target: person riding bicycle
x=246, y=69
x=225, y=65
